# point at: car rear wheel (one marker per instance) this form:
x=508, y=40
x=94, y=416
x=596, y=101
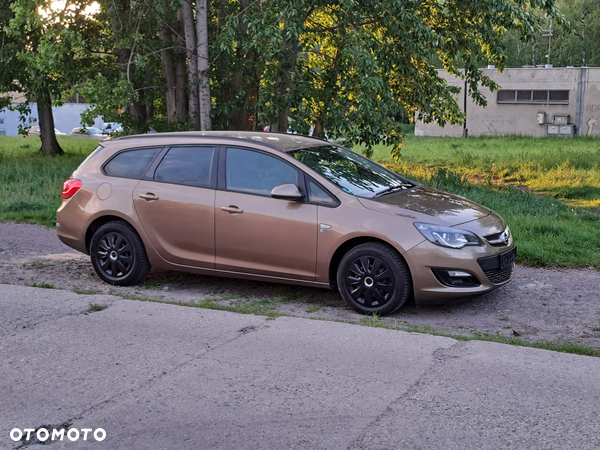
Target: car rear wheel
x=118, y=254
x=373, y=279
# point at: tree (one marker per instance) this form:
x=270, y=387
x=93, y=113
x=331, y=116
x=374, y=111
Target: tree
x=40, y=54
x=347, y=67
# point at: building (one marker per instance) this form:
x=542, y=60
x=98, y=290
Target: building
x=532, y=101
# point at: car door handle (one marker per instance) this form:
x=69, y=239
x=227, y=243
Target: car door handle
x=232, y=209
x=149, y=196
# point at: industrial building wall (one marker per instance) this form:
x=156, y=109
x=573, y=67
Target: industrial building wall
x=563, y=101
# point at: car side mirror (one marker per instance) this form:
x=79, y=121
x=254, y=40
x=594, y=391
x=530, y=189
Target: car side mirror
x=287, y=191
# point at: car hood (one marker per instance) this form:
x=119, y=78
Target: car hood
x=425, y=203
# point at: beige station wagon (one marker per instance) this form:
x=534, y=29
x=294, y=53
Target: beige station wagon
x=280, y=208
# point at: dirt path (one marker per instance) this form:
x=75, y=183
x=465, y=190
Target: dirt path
x=559, y=305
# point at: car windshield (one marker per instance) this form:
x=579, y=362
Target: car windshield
x=92, y=130
x=353, y=173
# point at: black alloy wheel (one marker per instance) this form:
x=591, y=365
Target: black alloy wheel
x=373, y=279
x=118, y=254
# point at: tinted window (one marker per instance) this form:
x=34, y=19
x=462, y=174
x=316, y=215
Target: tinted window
x=257, y=173
x=186, y=165
x=131, y=164
x=317, y=194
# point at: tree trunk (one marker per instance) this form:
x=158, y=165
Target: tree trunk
x=283, y=84
x=168, y=70
x=187, y=21
x=50, y=145
x=203, y=64
x=181, y=90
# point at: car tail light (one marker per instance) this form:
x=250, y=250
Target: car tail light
x=70, y=187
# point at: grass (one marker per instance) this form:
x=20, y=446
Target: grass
x=578, y=349
x=43, y=285
x=86, y=291
x=31, y=183
x=262, y=307
x=547, y=189
x=94, y=307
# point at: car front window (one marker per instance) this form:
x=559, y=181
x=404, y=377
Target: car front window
x=351, y=172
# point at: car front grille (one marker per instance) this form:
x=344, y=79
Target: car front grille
x=498, y=276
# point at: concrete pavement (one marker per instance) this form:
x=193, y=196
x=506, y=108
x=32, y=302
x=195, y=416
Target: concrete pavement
x=161, y=376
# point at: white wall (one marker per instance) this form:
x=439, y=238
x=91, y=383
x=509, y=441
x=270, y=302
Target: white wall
x=66, y=118
x=512, y=118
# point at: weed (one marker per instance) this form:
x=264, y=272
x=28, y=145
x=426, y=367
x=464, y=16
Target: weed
x=578, y=349
x=43, y=285
x=312, y=309
x=151, y=285
x=595, y=328
x=37, y=264
x=85, y=291
x=94, y=307
x=503, y=317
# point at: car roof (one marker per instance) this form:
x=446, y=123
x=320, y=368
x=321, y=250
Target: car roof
x=281, y=141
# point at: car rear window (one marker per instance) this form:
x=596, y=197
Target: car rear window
x=131, y=163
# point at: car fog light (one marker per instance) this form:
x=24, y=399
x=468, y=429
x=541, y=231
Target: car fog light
x=456, y=278
x=456, y=273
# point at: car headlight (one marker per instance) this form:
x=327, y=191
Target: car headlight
x=446, y=236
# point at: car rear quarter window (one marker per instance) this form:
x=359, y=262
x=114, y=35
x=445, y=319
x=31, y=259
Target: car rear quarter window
x=186, y=165
x=256, y=173
x=131, y=163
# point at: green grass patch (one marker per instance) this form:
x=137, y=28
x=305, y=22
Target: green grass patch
x=43, y=285
x=94, y=307
x=518, y=177
x=86, y=291
x=31, y=183
x=548, y=189
x=578, y=349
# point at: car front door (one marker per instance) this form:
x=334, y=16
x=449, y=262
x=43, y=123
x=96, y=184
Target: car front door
x=255, y=233
x=175, y=203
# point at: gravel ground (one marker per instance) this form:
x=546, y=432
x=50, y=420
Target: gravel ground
x=558, y=305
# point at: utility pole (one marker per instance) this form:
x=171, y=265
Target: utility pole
x=465, y=129
x=549, y=36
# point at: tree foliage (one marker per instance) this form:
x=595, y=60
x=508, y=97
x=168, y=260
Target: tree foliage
x=42, y=56
x=346, y=68
x=575, y=43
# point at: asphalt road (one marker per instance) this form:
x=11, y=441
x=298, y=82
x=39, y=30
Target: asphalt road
x=161, y=376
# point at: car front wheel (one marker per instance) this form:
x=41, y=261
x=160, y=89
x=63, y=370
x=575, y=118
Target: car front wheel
x=373, y=279
x=118, y=254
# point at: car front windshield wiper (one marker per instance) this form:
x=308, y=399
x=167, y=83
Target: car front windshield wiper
x=397, y=187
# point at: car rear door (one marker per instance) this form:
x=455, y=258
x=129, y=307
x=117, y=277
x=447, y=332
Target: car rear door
x=255, y=233
x=175, y=203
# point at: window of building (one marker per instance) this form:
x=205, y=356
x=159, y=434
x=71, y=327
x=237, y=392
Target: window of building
x=556, y=97
x=1, y=120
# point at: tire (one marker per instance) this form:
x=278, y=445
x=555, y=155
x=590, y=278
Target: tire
x=373, y=279
x=118, y=254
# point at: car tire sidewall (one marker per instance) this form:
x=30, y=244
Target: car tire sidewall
x=399, y=269
x=140, y=266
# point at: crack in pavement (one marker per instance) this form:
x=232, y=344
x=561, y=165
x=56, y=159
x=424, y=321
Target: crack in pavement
x=439, y=357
